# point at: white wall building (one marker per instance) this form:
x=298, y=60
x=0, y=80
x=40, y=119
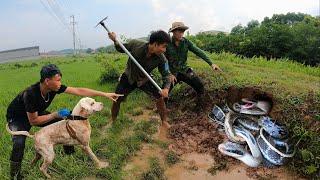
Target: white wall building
x=20, y=54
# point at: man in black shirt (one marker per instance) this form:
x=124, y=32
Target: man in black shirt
x=28, y=109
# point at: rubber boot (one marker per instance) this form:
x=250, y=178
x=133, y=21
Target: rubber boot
x=15, y=170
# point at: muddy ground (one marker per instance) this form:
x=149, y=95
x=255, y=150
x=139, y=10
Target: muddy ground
x=195, y=140
x=192, y=132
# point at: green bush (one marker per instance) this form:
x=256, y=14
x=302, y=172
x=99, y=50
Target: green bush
x=110, y=75
x=110, y=71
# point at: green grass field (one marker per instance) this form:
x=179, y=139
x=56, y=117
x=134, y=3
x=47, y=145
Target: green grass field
x=287, y=81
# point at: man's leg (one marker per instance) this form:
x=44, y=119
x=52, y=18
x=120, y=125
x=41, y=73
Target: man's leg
x=195, y=82
x=18, y=145
x=192, y=80
x=123, y=87
x=115, y=110
x=161, y=106
x=160, y=103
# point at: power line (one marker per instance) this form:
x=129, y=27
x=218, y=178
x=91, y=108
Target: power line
x=59, y=9
x=56, y=9
x=58, y=13
x=63, y=5
x=67, y=4
x=52, y=14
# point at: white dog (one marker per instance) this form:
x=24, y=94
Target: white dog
x=66, y=132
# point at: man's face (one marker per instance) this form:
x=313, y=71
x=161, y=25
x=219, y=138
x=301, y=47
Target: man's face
x=54, y=82
x=178, y=34
x=160, y=48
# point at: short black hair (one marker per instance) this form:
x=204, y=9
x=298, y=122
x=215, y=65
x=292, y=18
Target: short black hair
x=159, y=37
x=48, y=71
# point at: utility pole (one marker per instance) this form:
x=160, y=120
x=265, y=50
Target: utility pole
x=80, y=47
x=74, y=34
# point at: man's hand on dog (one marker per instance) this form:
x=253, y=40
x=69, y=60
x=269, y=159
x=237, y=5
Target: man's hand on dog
x=62, y=113
x=113, y=96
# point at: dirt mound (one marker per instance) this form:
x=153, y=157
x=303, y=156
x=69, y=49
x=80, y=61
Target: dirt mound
x=236, y=94
x=191, y=130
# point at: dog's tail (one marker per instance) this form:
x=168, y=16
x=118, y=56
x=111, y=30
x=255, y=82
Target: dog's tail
x=24, y=133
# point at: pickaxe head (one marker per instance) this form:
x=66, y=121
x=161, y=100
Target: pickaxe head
x=101, y=22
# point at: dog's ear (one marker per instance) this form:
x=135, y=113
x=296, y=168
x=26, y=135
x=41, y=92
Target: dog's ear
x=85, y=105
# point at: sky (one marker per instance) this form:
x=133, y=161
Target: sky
x=47, y=23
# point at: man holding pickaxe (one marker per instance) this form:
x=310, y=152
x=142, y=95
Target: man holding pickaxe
x=147, y=55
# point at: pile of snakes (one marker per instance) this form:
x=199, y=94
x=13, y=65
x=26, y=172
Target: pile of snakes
x=253, y=137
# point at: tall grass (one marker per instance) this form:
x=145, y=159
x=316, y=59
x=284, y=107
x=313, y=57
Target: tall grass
x=283, y=78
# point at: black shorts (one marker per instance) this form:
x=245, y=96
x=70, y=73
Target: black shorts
x=125, y=88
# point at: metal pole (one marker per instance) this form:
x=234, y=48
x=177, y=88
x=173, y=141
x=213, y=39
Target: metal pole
x=74, y=35
x=133, y=59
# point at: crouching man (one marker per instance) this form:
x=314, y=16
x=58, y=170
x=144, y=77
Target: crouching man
x=28, y=109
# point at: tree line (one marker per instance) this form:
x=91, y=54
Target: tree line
x=295, y=36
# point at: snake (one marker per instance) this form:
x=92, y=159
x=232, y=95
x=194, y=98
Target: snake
x=230, y=128
x=225, y=117
x=271, y=142
x=217, y=115
x=252, y=107
x=273, y=128
x=250, y=123
x=274, y=150
x=239, y=152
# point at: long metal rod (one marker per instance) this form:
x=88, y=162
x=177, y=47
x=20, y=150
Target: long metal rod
x=133, y=59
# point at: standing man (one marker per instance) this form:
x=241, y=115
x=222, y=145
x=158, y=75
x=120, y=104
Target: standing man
x=28, y=109
x=177, y=54
x=150, y=56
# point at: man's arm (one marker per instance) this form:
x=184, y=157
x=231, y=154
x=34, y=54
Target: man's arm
x=91, y=92
x=165, y=72
x=32, y=112
x=35, y=120
x=197, y=51
x=112, y=36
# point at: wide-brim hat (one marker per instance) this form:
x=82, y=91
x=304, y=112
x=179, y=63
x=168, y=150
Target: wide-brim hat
x=178, y=25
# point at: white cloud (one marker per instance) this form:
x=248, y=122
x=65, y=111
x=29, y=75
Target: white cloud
x=28, y=23
x=223, y=15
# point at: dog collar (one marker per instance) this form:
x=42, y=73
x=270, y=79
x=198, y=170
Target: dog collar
x=72, y=117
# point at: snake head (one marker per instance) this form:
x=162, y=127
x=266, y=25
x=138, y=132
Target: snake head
x=231, y=149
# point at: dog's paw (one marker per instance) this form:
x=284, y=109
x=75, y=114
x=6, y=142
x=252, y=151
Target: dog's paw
x=103, y=164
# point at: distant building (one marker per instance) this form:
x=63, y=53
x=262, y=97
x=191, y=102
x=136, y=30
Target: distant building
x=20, y=54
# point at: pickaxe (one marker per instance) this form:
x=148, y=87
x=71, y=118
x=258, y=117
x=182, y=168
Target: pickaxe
x=129, y=54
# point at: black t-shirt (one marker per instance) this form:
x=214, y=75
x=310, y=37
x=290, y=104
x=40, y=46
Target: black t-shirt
x=30, y=100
